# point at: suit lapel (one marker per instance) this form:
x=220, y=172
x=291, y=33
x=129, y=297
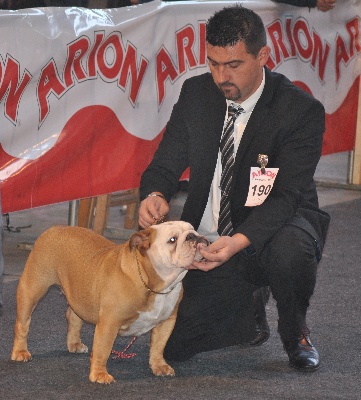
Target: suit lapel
x=256, y=123
x=216, y=111
x=206, y=134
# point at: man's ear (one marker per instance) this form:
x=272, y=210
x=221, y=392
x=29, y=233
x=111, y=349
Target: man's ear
x=263, y=55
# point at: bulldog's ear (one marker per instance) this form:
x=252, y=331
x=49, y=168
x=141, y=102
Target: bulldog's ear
x=141, y=240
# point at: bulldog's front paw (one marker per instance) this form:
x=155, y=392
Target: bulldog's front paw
x=101, y=377
x=77, y=348
x=162, y=370
x=21, y=355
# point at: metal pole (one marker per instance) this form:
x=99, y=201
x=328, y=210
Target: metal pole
x=356, y=160
x=350, y=166
x=73, y=212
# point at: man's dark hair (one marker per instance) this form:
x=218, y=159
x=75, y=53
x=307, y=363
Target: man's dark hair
x=236, y=23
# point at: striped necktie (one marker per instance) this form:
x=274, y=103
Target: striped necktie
x=227, y=158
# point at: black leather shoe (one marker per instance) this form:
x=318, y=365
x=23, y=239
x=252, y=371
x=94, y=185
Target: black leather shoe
x=262, y=331
x=301, y=352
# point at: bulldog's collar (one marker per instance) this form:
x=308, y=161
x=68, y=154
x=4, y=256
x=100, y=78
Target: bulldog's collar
x=143, y=282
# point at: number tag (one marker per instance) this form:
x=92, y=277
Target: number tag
x=260, y=185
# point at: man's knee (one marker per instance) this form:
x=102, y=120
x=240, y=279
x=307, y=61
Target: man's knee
x=290, y=264
x=289, y=251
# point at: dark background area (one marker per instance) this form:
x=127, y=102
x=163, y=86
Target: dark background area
x=20, y=4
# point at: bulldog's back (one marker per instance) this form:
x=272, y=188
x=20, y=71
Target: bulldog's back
x=64, y=247
x=76, y=259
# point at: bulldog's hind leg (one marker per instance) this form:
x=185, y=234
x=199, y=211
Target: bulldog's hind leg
x=74, y=342
x=28, y=294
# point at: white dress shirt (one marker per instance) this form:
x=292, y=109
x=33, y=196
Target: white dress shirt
x=209, y=223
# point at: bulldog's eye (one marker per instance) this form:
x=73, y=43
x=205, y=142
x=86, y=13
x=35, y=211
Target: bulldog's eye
x=172, y=240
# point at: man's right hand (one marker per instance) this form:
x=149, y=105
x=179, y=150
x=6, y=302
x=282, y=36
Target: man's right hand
x=152, y=210
x=326, y=5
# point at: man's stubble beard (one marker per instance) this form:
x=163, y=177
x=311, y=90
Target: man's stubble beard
x=225, y=88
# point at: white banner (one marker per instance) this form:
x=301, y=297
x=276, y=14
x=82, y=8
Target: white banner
x=86, y=94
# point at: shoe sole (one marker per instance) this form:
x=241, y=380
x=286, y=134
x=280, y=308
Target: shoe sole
x=305, y=369
x=260, y=342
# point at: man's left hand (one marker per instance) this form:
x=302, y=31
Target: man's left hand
x=220, y=251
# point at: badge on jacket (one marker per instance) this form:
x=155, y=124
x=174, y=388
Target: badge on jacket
x=261, y=182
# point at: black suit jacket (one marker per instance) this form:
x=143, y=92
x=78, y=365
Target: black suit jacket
x=287, y=124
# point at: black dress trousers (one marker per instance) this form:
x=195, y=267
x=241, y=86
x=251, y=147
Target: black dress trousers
x=217, y=307
x=216, y=311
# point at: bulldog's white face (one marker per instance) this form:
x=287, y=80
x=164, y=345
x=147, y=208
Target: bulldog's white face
x=175, y=244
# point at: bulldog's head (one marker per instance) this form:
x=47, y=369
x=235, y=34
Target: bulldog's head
x=172, y=244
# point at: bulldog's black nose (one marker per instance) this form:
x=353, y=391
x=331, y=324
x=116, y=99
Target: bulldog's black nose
x=191, y=236
x=197, y=238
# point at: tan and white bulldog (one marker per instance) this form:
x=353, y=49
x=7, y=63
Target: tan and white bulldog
x=125, y=289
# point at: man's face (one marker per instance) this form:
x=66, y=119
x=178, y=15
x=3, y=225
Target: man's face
x=237, y=73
